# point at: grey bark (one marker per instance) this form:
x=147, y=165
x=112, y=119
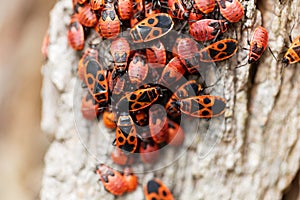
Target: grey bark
x=253, y=152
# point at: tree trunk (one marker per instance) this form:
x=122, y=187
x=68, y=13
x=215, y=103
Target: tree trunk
x=253, y=152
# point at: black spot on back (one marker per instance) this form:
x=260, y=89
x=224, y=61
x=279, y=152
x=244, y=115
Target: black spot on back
x=220, y=46
x=133, y=97
x=131, y=138
x=137, y=106
x=206, y=100
x=150, y=21
x=155, y=33
x=90, y=80
x=205, y=113
x=152, y=187
x=165, y=193
x=121, y=140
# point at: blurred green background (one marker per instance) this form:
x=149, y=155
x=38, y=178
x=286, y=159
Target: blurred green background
x=23, y=24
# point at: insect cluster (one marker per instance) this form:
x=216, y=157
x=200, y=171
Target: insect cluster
x=151, y=82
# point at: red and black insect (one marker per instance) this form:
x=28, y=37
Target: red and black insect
x=149, y=151
x=140, y=98
x=186, y=49
x=125, y=9
x=75, y=34
x=131, y=179
x=175, y=134
x=293, y=53
x=205, y=6
x=204, y=106
x=120, y=51
x=112, y=180
x=232, y=10
x=126, y=137
x=96, y=81
x=86, y=15
x=207, y=29
x=138, y=69
x=258, y=44
x=218, y=51
x=172, y=72
x=177, y=10
x=156, y=55
x=155, y=189
x=158, y=123
x=89, y=107
x=151, y=28
x=109, y=24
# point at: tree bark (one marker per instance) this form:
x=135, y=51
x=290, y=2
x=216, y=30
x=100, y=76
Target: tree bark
x=253, y=152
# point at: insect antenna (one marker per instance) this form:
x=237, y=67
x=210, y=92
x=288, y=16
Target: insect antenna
x=242, y=65
x=290, y=34
x=272, y=54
